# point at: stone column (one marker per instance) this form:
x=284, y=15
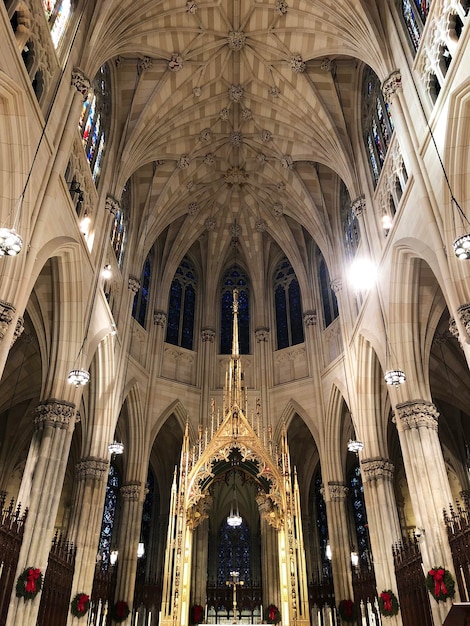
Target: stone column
x=129, y=534
x=417, y=424
x=335, y=500
x=85, y=523
x=382, y=518
x=207, y=338
x=40, y=490
x=159, y=319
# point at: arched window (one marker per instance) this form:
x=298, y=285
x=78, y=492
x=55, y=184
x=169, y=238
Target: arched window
x=109, y=514
x=351, y=232
x=415, y=13
x=94, y=121
x=182, y=306
x=328, y=296
x=322, y=525
x=288, y=306
x=58, y=14
x=356, y=494
x=119, y=228
x=235, y=277
x=377, y=123
x=141, y=298
x=234, y=553
x=146, y=525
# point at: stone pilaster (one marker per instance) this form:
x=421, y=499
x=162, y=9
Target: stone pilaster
x=335, y=495
x=40, y=491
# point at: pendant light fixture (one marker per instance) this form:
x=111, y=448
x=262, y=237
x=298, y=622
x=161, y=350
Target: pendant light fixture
x=234, y=519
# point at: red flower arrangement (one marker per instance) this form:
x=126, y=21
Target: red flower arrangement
x=197, y=614
x=347, y=610
x=120, y=611
x=29, y=583
x=440, y=584
x=272, y=615
x=388, y=603
x=80, y=605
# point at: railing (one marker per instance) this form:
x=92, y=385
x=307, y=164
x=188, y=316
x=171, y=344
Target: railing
x=457, y=522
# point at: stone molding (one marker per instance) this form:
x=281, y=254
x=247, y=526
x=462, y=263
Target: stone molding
x=131, y=491
x=133, y=284
x=92, y=468
x=81, y=82
x=112, y=205
x=464, y=315
x=337, y=491
x=159, y=318
x=262, y=334
x=310, y=318
x=391, y=85
x=417, y=414
x=358, y=206
x=19, y=328
x=208, y=334
x=377, y=469
x=7, y=313
x=236, y=39
x=54, y=413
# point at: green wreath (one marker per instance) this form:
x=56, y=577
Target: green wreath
x=440, y=584
x=80, y=605
x=347, y=610
x=388, y=603
x=120, y=611
x=29, y=583
x=272, y=614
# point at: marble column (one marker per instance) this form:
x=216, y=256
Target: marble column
x=417, y=425
x=129, y=534
x=40, y=490
x=85, y=523
x=335, y=500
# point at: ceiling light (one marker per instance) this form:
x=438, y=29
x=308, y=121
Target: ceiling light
x=10, y=242
x=116, y=447
x=107, y=272
x=362, y=274
x=78, y=377
x=355, y=446
x=462, y=247
x=395, y=377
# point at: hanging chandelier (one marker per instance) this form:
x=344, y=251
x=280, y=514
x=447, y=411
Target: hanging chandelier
x=355, y=446
x=78, y=377
x=395, y=377
x=10, y=242
x=234, y=519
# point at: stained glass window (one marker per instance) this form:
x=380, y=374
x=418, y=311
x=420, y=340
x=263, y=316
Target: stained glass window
x=377, y=123
x=141, y=298
x=288, y=306
x=351, y=231
x=356, y=493
x=322, y=524
x=94, y=121
x=182, y=306
x=235, y=277
x=146, y=523
x=109, y=514
x=415, y=13
x=120, y=223
x=234, y=553
x=58, y=14
x=329, y=301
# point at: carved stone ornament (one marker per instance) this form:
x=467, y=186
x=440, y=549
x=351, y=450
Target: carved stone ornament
x=326, y=65
x=274, y=92
x=377, y=469
x=337, y=285
x=281, y=7
x=197, y=91
x=183, y=162
x=337, y=491
x=92, y=468
x=133, y=284
x=247, y=114
x=262, y=335
x=464, y=314
x=19, y=329
x=112, y=205
x=131, y=491
x=209, y=159
x=224, y=114
x=310, y=318
x=235, y=93
x=281, y=185
x=199, y=512
x=268, y=511
x=7, y=313
x=81, y=82
x=235, y=176
x=208, y=334
x=287, y=162
x=191, y=6
x=235, y=229
x=144, y=64
x=159, y=318
x=417, y=414
x=193, y=208
x=454, y=331
x=236, y=40
x=260, y=226
x=54, y=413
x=278, y=209
x=175, y=64
x=358, y=206
x=297, y=64
x=236, y=138
x=391, y=85
x=210, y=223
x=266, y=136
x=261, y=157
x=205, y=134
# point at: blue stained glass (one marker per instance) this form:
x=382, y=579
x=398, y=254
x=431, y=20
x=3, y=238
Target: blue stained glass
x=295, y=309
x=373, y=161
x=172, y=329
x=322, y=523
x=356, y=492
x=188, y=318
x=288, y=306
x=141, y=298
x=423, y=9
x=411, y=23
x=109, y=513
x=281, y=318
x=235, y=278
x=325, y=293
x=182, y=306
x=234, y=553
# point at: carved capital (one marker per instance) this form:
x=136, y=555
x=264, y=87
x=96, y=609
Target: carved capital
x=377, y=469
x=199, y=512
x=134, y=284
x=112, y=205
x=464, y=314
x=262, y=334
x=144, y=64
x=391, y=85
x=92, y=468
x=131, y=491
x=268, y=511
x=53, y=413
x=337, y=285
x=159, y=318
x=337, y=491
x=7, y=313
x=358, y=206
x=417, y=414
x=81, y=82
x=454, y=331
x=19, y=328
x=310, y=318
x=208, y=334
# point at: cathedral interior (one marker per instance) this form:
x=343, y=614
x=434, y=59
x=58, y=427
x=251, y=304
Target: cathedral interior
x=234, y=311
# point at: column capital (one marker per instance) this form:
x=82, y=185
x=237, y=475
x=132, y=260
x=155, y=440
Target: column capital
x=417, y=414
x=112, y=204
x=337, y=285
x=133, y=284
x=54, y=413
x=262, y=334
x=7, y=313
x=92, y=468
x=337, y=491
x=358, y=205
x=377, y=469
x=310, y=318
x=464, y=315
x=159, y=318
x=131, y=491
x=208, y=334
x=81, y=82
x=391, y=85
x=19, y=328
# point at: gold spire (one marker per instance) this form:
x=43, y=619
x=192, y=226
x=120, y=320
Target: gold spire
x=234, y=379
